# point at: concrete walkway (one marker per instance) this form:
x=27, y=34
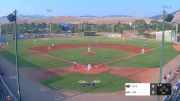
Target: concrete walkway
x=115, y=96
x=31, y=90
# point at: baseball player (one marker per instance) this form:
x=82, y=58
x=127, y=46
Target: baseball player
x=49, y=48
x=142, y=51
x=75, y=64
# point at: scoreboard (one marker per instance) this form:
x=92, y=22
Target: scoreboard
x=147, y=89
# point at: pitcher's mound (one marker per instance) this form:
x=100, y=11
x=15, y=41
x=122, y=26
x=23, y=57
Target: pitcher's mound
x=82, y=68
x=89, y=53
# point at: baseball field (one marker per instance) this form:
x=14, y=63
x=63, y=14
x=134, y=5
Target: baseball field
x=115, y=61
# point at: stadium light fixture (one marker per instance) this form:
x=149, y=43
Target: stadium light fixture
x=12, y=17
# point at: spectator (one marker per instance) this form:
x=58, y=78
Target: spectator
x=9, y=98
x=177, y=85
x=169, y=76
x=164, y=78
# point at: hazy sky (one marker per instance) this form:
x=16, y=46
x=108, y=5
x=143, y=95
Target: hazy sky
x=88, y=7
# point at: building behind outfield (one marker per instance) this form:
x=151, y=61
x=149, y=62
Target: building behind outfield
x=169, y=35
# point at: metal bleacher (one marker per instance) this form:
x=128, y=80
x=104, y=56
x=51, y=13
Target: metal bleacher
x=3, y=92
x=176, y=95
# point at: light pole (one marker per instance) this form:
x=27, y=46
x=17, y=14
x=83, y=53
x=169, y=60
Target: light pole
x=167, y=18
x=162, y=48
x=0, y=35
x=13, y=18
x=49, y=11
x=0, y=30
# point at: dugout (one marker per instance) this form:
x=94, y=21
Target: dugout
x=89, y=33
x=178, y=38
x=4, y=37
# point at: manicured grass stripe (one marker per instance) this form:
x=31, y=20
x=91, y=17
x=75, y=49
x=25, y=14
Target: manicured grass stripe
x=109, y=82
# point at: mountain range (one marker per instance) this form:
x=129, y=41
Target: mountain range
x=160, y=15
x=109, y=19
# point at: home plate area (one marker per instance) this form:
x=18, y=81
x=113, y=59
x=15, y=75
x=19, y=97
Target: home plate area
x=89, y=68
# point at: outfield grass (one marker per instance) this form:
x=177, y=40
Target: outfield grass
x=109, y=82
x=149, y=60
x=102, y=54
x=28, y=59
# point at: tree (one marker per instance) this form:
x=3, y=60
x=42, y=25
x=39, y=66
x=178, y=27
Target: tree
x=119, y=28
x=55, y=29
x=6, y=28
x=156, y=25
x=140, y=25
